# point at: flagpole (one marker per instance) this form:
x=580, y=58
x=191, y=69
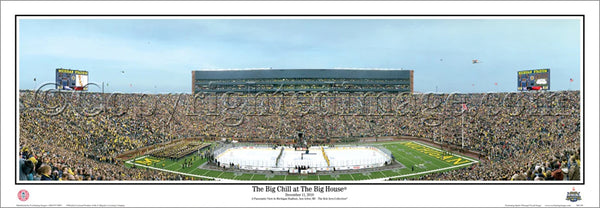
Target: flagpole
x=462, y=127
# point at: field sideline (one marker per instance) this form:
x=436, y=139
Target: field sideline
x=424, y=159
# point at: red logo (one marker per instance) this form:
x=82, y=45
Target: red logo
x=23, y=195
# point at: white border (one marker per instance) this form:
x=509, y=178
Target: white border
x=358, y=195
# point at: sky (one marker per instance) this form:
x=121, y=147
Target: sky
x=158, y=55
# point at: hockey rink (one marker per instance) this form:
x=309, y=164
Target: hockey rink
x=340, y=158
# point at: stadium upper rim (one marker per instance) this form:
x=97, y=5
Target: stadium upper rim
x=335, y=68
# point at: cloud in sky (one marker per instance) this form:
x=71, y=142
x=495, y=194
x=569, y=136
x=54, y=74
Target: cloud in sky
x=162, y=52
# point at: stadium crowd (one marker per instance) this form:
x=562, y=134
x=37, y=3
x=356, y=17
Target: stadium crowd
x=519, y=136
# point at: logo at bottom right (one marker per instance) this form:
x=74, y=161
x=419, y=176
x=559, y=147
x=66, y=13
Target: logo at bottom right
x=573, y=196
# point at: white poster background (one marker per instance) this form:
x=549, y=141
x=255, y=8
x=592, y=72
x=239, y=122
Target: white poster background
x=81, y=80
x=210, y=194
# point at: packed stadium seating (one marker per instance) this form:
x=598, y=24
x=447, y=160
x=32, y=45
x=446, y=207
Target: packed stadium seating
x=516, y=134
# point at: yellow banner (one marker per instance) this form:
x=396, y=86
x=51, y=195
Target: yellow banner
x=533, y=71
x=70, y=71
x=67, y=71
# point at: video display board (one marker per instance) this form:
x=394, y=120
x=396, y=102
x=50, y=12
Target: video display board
x=536, y=79
x=69, y=79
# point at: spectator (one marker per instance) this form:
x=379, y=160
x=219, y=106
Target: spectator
x=45, y=172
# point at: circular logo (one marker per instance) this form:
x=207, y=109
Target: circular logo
x=23, y=195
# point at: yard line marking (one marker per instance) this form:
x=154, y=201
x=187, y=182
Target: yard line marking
x=205, y=171
x=421, y=159
x=431, y=171
x=170, y=171
x=450, y=152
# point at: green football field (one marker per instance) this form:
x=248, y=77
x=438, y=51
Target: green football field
x=418, y=159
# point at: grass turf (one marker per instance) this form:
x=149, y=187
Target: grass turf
x=418, y=159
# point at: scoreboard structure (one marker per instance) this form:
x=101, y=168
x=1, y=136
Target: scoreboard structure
x=536, y=79
x=69, y=79
x=302, y=80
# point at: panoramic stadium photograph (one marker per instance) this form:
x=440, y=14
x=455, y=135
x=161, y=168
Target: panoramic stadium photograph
x=281, y=99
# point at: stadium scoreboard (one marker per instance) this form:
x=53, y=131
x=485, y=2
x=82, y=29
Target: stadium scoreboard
x=536, y=79
x=69, y=79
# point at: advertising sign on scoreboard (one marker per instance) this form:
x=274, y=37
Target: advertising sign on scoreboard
x=69, y=79
x=536, y=79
